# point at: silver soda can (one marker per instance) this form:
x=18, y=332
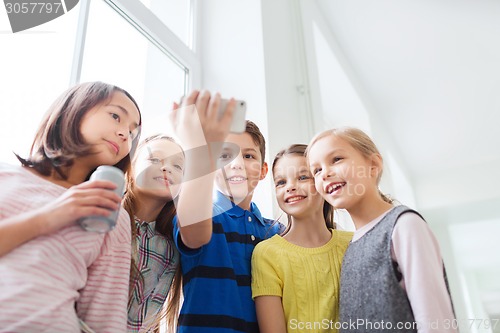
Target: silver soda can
x=101, y=223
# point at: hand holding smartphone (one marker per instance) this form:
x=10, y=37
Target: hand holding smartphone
x=238, y=123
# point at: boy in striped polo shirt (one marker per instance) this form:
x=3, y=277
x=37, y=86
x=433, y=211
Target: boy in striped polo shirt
x=216, y=252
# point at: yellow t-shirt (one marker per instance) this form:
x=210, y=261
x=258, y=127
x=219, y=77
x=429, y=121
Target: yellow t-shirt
x=306, y=279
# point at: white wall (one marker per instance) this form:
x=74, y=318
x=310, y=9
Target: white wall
x=232, y=62
x=265, y=53
x=339, y=99
x=300, y=50
x=287, y=89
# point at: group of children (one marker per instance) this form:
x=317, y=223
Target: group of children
x=190, y=247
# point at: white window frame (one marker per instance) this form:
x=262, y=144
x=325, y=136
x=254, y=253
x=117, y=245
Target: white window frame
x=154, y=30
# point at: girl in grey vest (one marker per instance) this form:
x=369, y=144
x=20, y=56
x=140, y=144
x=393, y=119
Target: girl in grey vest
x=392, y=278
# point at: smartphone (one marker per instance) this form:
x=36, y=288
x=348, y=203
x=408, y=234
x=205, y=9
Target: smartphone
x=238, y=124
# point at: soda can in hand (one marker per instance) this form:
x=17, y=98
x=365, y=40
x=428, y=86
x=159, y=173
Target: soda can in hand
x=102, y=224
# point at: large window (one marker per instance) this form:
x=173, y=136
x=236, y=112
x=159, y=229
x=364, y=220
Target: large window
x=123, y=42
x=35, y=67
x=117, y=52
x=177, y=15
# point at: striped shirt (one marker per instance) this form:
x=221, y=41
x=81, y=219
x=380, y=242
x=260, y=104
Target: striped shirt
x=217, y=276
x=50, y=282
x=157, y=258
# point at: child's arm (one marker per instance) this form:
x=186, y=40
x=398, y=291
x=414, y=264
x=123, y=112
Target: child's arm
x=196, y=127
x=417, y=252
x=267, y=288
x=270, y=314
x=89, y=198
x=19, y=229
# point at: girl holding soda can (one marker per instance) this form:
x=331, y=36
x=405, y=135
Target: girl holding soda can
x=54, y=275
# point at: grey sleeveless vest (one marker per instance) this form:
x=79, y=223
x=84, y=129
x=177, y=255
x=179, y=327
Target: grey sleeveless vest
x=371, y=298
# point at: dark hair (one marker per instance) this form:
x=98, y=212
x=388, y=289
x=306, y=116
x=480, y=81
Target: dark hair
x=58, y=140
x=164, y=225
x=299, y=150
x=257, y=137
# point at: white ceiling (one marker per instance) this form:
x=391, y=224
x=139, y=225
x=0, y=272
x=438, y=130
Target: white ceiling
x=431, y=69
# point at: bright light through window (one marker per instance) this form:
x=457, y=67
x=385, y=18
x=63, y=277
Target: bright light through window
x=115, y=52
x=175, y=14
x=35, y=67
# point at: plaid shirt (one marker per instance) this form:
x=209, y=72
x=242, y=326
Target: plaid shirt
x=156, y=259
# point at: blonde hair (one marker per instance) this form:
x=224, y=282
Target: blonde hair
x=359, y=140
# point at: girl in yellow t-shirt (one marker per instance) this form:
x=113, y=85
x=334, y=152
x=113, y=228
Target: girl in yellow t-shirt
x=295, y=275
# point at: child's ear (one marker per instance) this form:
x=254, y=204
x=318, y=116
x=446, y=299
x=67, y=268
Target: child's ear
x=263, y=171
x=376, y=165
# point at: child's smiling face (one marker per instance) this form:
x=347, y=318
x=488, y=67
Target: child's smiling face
x=241, y=175
x=294, y=184
x=158, y=169
x=342, y=175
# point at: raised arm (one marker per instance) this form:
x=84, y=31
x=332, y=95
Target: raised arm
x=201, y=134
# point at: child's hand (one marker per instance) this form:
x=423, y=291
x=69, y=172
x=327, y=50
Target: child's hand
x=196, y=121
x=85, y=199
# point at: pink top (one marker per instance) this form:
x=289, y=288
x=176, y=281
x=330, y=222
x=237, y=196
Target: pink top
x=49, y=282
x=417, y=253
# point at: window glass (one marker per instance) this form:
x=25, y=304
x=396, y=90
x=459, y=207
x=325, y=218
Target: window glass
x=175, y=14
x=35, y=67
x=115, y=52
